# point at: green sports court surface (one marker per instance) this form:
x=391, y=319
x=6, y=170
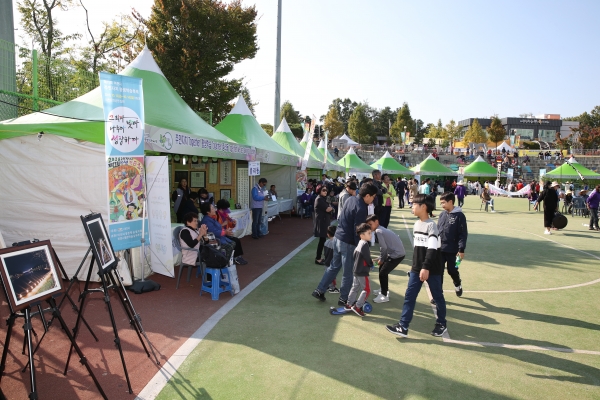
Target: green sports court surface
x=527, y=325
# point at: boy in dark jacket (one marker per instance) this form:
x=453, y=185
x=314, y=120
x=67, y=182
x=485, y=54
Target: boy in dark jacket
x=452, y=226
x=362, y=266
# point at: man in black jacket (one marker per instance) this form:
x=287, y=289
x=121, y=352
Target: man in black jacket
x=400, y=191
x=345, y=241
x=381, y=190
x=452, y=225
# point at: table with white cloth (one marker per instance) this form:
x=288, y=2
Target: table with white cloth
x=274, y=208
x=242, y=228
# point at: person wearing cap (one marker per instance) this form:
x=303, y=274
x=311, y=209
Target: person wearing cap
x=550, y=199
x=460, y=193
x=592, y=203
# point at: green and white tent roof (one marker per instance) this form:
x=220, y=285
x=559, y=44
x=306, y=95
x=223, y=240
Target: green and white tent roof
x=389, y=165
x=330, y=158
x=569, y=172
x=314, y=152
x=352, y=163
x=284, y=136
x=349, y=141
x=432, y=167
x=171, y=125
x=241, y=126
x=481, y=168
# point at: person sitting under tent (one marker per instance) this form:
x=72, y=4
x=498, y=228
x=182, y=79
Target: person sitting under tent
x=222, y=235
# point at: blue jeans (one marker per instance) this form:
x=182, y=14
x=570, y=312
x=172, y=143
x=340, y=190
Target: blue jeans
x=410, y=298
x=256, y=220
x=342, y=257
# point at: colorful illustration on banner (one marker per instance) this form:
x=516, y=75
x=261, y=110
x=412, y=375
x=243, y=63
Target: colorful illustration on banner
x=301, y=178
x=126, y=188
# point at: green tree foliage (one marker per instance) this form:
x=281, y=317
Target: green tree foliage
x=421, y=131
x=403, y=119
x=267, y=128
x=360, y=127
x=591, y=119
x=40, y=25
x=290, y=114
x=103, y=50
x=436, y=131
x=453, y=131
x=496, y=131
x=382, y=119
x=333, y=124
x=197, y=43
x=344, y=108
x=475, y=133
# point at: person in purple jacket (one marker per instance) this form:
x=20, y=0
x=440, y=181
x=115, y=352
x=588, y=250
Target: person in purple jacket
x=460, y=193
x=592, y=204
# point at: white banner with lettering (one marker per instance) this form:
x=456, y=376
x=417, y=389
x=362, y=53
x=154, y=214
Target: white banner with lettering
x=496, y=190
x=159, y=215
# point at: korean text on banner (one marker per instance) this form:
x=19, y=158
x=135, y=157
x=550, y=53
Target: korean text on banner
x=122, y=99
x=159, y=215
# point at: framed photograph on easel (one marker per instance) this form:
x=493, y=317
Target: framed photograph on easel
x=99, y=241
x=29, y=273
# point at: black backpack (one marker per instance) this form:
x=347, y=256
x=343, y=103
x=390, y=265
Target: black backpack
x=213, y=258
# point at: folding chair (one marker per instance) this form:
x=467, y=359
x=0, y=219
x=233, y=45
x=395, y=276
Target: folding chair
x=177, y=245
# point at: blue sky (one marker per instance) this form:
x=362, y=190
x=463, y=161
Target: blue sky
x=448, y=60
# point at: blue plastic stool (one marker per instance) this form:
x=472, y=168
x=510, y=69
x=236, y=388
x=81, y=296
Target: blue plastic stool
x=214, y=288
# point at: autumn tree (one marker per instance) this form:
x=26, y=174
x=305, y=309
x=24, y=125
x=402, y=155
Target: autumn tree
x=453, y=131
x=475, y=133
x=496, y=131
x=360, y=127
x=333, y=124
x=436, y=131
x=197, y=43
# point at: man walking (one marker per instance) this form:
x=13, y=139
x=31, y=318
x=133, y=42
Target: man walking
x=400, y=190
x=345, y=241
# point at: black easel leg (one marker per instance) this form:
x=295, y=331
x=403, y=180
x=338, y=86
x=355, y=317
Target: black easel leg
x=10, y=322
x=79, y=314
x=116, y=333
x=128, y=309
x=82, y=359
x=27, y=329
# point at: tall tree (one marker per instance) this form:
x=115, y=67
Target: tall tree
x=333, y=124
x=421, y=131
x=591, y=119
x=290, y=114
x=475, y=133
x=360, y=128
x=39, y=23
x=197, y=43
x=114, y=36
x=436, y=131
x=345, y=108
x=403, y=119
x=496, y=131
x=382, y=121
x=453, y=131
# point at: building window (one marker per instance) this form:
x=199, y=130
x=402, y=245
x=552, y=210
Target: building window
x=526, y=134
x=547, y=135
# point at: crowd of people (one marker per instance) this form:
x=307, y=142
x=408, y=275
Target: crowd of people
x=363, y=213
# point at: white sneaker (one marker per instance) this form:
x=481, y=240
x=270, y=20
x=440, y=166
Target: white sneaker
x=381, y=298
x=547, y=233
x=493, y=211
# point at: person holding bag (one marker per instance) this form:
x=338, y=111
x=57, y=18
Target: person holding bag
x=229, y=223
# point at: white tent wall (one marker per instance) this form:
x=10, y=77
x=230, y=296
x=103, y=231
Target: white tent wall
x=47, y=185
x=283, y=177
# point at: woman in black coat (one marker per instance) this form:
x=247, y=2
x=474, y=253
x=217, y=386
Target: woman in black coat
x=550, y=199
x=322, y=217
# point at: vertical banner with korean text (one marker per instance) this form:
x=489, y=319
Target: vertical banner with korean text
x=159, y=215
x=123, y=102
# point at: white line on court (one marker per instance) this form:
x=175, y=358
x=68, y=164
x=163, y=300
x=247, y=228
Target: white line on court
x=446, y=336
x=169, y=368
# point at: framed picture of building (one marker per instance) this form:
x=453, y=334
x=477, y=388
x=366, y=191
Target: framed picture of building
x=29, y=274
x=100, y=242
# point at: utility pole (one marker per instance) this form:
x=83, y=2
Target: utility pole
x=278, y=68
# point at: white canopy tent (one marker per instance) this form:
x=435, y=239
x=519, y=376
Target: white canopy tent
x=505, y=146
x=349, y=141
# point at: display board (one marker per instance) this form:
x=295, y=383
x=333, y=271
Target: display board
x=243, y=187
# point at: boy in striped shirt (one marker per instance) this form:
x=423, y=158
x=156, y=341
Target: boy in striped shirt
x=426, y=266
